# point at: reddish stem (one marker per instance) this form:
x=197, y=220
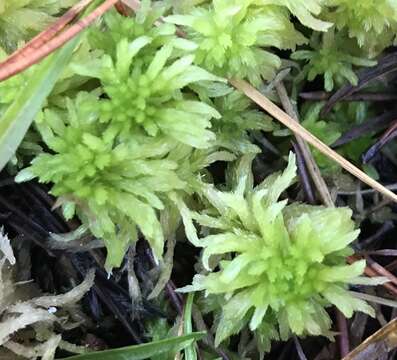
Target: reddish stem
x=8, y=69
x=45, y=36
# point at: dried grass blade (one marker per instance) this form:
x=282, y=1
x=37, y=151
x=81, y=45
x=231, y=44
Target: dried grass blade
x=285, y=119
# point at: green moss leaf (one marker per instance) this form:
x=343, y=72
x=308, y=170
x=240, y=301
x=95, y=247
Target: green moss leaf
x=372, y=23
x=333, y=59
x=231, y=37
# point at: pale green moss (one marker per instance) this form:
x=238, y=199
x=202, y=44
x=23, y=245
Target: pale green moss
x=278, y=265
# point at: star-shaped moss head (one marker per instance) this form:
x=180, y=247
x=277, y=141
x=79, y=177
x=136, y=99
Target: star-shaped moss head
x=278, y=266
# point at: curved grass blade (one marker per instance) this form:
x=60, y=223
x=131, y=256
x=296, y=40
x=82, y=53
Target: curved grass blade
x=143, y=351
x=17, y=119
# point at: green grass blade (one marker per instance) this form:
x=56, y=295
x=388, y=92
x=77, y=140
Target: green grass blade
x=190, y=351
x=144, y=351
x=17, y=119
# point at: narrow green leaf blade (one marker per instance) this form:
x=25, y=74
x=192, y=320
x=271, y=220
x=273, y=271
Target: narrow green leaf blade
x=17, y=119
x=190, y=351
x=144, y=351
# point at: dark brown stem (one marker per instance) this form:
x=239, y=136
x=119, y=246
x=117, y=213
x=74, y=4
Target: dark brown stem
x=311, y=165
x=209, y=339
x=344, y=344
x=383, y=252
x=174, y=297
x=303, y=174
x=299, y=349
x=323, y=95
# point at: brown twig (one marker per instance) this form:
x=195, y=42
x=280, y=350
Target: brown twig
x=371, y=125
x=344, y=343
x=311, y=165
x=370, y=272
x=391, y=266
x=377, y=207
x=8, y=69
x=381, y=270
x=209, y=339
x=378, y=345
x=170, y=288
x=383, y=252
x=323, y=95
x=389, y=135
x=303, y=174
x=288, y=121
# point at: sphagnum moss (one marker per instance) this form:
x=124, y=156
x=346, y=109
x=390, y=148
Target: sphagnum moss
x=277, y=266
x=231, y=37
x=154, y=111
